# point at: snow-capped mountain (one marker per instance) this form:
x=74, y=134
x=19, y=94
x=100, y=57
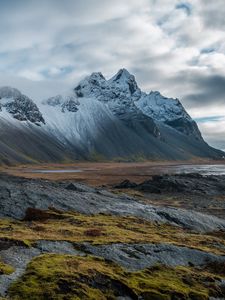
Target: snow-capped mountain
x=119, y=95
x=168, y=111
x=124, y=98
x=19, y=106
x=98, y=119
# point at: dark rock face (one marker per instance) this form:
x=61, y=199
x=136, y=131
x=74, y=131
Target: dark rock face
x=20, y=106
x=70, y=105
x=168, y=111
x=191, y=191
x=23, y=109
x=140, y=256
x=126, y=184
x=179, y=183
x=123, y=76
x=71, y=187
x=186, y=127
x=185, y=183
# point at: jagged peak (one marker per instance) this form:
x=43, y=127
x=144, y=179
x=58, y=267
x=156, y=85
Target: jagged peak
x=122, y=75
x=95, y=76
x=124, y=78
x=95, y=79
x=19, y=106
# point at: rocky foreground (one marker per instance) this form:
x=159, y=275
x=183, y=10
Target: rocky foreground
x=66, y=240
x=190, y=191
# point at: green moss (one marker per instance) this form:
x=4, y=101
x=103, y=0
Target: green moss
x=169, y=283
x=61, y=277
x=96, y=157
x=5, y=269
x=74, y=227
x=139, y=157
x=69, y=277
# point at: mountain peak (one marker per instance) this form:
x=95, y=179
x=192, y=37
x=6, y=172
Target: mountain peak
x=89, y=84
x=122, y=75
x=19, y=106
x=124, y=79
x=112, y=118
x=97, y=75
x=94, y=78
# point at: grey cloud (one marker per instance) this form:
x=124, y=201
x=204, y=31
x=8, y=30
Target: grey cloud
x=216, y=140
x=215, y=135
x=212, y=13
x=165, y=43
x=208, y=90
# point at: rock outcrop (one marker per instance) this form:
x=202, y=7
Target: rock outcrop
x=17, y=195
x=20, y=106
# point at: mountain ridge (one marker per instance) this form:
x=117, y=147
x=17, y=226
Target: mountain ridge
x=99, y=119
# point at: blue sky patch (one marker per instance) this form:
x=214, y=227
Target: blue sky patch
x=209, y=119
x=186, y=7
x=207, y=50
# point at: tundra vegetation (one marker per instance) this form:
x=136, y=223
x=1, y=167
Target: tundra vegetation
x=57, y=276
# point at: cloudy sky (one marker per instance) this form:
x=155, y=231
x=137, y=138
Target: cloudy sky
x=176, y=47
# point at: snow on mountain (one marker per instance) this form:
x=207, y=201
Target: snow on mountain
x=79, y=124
x=19, y=106
x=130, y=104
x=94, y=128
x=126, y=82
x=119, y=94
x=161, y=108
x=169, y=111
x=67, y=102
x=99, y=118
x=121, y=88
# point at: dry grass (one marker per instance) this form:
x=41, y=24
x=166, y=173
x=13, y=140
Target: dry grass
x=104, y=173
x=106, y=229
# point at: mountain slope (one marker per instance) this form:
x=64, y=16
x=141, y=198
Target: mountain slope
x=98, y=119
x=168, y=111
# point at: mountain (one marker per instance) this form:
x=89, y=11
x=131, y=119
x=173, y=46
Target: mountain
x=99, y=119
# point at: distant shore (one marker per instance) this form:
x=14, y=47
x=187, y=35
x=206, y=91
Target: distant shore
x=103, y=173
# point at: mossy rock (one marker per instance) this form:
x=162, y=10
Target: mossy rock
x=60, y=277
x=103, y=229
x=5, y=269
x=153, y=295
